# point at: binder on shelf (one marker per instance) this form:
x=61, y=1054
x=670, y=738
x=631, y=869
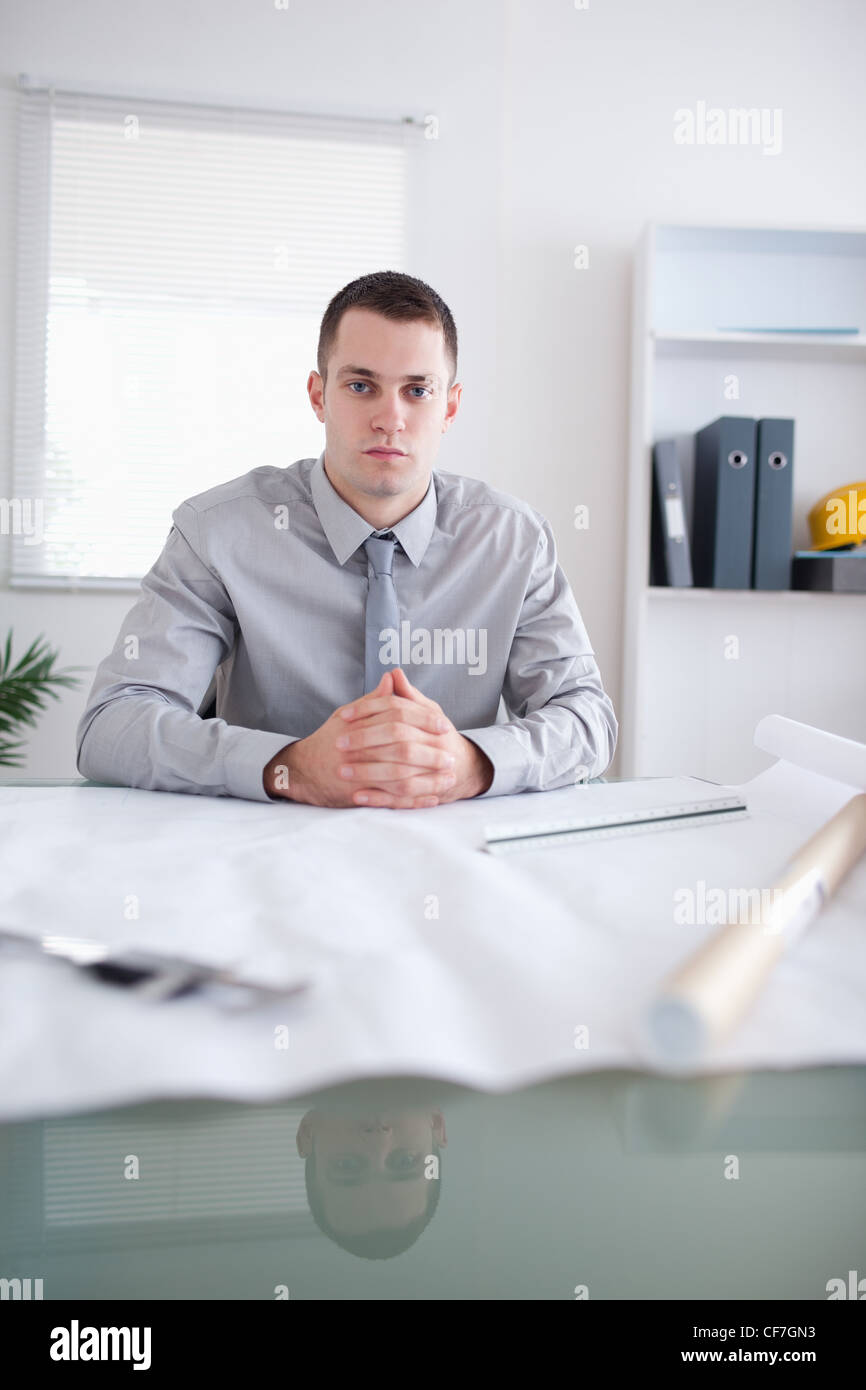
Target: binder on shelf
x=670, y=556
x=774, y=500
x=724, y=503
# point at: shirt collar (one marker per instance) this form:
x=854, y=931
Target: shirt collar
x=346, y=529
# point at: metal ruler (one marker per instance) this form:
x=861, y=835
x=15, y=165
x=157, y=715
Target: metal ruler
x=506, y=839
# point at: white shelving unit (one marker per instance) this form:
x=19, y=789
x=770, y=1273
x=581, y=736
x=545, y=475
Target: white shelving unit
x=702, y=666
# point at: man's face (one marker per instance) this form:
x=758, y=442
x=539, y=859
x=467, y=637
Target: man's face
x=370, y=1168
x=385, y=407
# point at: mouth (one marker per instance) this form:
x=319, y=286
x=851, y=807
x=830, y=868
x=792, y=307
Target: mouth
x=385, y=453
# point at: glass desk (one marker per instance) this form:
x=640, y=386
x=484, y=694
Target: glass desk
x=611, y=1185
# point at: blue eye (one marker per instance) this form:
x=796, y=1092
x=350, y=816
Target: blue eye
x=346, y=1164
x=403, y=1161
x=425, y=390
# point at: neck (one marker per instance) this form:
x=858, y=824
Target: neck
x=379, y=512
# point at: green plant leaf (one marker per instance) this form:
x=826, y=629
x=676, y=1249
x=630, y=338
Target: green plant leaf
x=25, y=689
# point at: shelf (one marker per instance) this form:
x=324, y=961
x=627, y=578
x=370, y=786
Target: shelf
x=697, y=290
x=777, y=595
x=745, y=238
x=790, y=346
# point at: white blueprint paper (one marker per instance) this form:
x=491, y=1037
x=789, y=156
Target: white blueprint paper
x=426, y=955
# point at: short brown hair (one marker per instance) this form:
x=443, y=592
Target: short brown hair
x=394, y=296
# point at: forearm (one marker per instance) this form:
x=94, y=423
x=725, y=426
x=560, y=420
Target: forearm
x=140, y=727
x=571, y=738
x=562, y=727
x=143, y=740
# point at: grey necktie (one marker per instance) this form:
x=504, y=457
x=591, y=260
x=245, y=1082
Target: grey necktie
x=383, y=610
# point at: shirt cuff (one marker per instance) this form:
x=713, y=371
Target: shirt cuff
x=508, y=759
x=248, y=754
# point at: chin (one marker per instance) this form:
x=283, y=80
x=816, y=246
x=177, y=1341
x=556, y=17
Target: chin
x=387, y=489
x=385, y=479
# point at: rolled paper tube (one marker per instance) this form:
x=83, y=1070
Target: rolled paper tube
x=674, y=1117
x=813, y=749
x=705, y=997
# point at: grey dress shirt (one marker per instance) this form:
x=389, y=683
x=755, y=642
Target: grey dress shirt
x=262, y=584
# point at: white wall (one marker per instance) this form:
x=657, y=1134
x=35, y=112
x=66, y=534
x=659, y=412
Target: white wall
x=555, y=129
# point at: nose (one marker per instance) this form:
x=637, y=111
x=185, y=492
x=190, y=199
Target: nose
x=389, y=416
x=376, y=1141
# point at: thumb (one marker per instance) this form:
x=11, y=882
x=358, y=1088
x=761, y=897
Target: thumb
x=403, y=686
x=385, y=686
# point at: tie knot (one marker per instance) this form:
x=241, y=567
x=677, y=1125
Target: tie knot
x=380, y=552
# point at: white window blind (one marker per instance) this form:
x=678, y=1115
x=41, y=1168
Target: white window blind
x=174, y=264
x=219, y=1166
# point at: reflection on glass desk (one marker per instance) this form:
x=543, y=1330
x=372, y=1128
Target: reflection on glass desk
x=608, y=1186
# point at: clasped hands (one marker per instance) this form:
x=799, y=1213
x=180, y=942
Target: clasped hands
x=392, y=747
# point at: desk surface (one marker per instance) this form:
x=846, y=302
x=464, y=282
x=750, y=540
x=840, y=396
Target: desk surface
x=617, y=1181
x=742, y=1185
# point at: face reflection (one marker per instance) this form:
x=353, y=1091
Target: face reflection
x=370, y=1167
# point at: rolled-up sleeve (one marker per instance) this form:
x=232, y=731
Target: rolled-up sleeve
x=140, y=727
x=561, y=728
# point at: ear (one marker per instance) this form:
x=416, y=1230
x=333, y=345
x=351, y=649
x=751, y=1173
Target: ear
x=438, y=1123
x=304, y=1137
x=316, y=393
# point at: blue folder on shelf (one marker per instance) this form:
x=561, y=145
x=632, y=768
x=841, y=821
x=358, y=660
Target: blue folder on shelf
x=724, y=503
x=774, y=499
x=670, y=557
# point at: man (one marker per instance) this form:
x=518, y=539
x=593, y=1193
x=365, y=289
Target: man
x=373, y=1180
x=306, y=590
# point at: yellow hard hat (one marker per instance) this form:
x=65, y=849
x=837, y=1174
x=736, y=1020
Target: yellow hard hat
x=839, y=518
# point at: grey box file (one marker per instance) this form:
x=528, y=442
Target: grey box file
x=831, y=571
x=724, y=503
x=670, y=552
x=774, y=500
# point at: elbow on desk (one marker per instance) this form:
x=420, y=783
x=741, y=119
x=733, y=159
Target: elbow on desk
x=102, y=756
x=607, y=741
x=85, y=760
x=97, y=758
